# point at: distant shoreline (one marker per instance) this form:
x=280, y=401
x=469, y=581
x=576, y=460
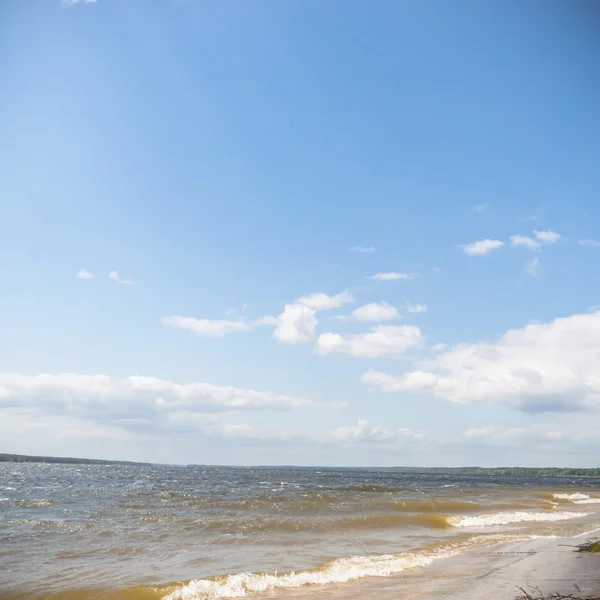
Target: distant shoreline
x=499, y=471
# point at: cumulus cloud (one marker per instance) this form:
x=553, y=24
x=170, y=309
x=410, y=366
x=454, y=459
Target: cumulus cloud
x=362, y=249
x=84, y=274
x=547, y=237
x=391, y=276
x=590, y=243
x=522, y=240
x=295, y=325
x=376, y=311
x=382, y=340
x=92, y=393
x=481, y=247
x=542, y=367
x=322, y=301
x=115, y=277
x=532, y=266
x=206, y=327
x=361, y=433
x=364, y=432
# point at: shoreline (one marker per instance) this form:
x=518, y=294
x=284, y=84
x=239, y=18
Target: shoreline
x=423, y=574
x=494, y=573
x=542, y=565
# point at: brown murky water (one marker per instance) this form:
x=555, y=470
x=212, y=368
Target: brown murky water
x=91, y=531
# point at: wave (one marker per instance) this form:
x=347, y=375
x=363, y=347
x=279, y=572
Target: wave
x=368, y=487
x=507, y=518
x=445, y=506
x=427, y=520
x=577, y=498
x=266, y=525
x=340, y=570
x=29, y=503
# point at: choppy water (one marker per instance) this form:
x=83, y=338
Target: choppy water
x=91, y=531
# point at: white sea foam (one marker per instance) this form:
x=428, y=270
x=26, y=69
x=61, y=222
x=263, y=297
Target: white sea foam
x=507, y=518
x=571, y=496
x=577, y=498
x=340, y=570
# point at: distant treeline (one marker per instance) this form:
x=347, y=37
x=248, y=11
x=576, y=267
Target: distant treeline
x=492, y=471
x=508, y=471
x=66, y=460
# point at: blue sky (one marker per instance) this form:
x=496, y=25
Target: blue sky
x=226, y=162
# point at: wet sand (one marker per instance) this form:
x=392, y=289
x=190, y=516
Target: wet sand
x=494, y=573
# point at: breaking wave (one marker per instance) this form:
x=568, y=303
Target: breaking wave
x=577, y=498
x=340, y=570
x=507, y=518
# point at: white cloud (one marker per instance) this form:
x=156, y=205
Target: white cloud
x=89, y=393
x=542, y=367
x=363, y=249
x=115, y=277
x=84, y=274
x=360, y=433
x=206, y=327
x=522, y=240
x=298, y=322
x=322, y=301
x=495, y=432
x=68, y=3
x=439, y=347
x=590, y=243
x=416, y=308
x=481, y=207
x=547, y=237
x=376, y=311
x=532, y=266
x=481, y=247
x=31, y=422
x=295, y=325
x=364, y=432
x=391, y=276
x=496, y=435
x=383, y=340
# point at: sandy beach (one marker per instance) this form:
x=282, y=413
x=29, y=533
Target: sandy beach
x=495, y=573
